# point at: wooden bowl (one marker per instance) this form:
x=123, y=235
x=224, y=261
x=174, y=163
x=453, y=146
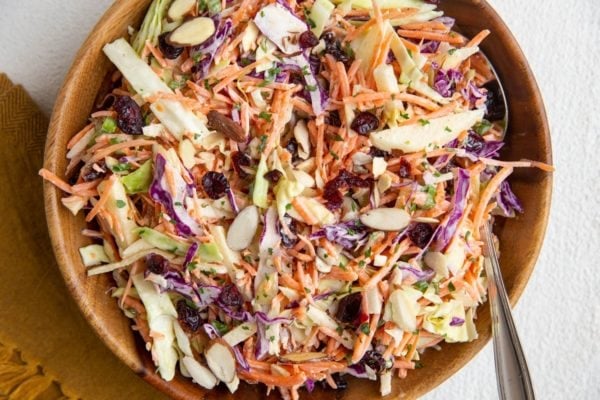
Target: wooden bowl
x=520, y=238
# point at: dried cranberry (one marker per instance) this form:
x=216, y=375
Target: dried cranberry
x=334, y=47
x=334, y=198
x=292, y=147
x=405, y=169
x=92, y=174
x=241, y=161
x=333, y=119
x=273, y=176
x=169, y=51
x=230, y=296
x=420, y=234
x=373, y=360
x=308, y=39
x=215, y=184
x=364, y=123
x=286, y=241
x=188, y=316
x=349, y=308
x=344, y=180
x=375, y=152
x=474, y=143
x=495, y=105
x=156, y=264
x=129, y=115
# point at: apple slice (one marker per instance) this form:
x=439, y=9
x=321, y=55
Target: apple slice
x=192, y=32
x=426, y=134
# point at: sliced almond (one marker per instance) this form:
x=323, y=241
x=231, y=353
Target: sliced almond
x=179, y=8
x=226, y=126
x=302, y=357
x=386, y=219
x=221, y=360
x=243, y=228
x=192, y=32
x=200, y=374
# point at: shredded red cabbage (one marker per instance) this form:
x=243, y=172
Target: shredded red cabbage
x=209, y=48
x=174, y=203
x=445, y=81
x=456, y=321
x=446, y=232
x=420, y=275
x=349, y=235
x=508, y=201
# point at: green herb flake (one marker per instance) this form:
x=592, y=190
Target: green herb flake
x=364, y=328
x=451, y=287
x=120, y=203
x=220, y=327
x=424, y=122
x=109, y=125
x=482, y=127
x=266, y=116
x=421, y=286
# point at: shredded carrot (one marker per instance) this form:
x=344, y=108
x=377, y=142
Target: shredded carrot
x=440, y=37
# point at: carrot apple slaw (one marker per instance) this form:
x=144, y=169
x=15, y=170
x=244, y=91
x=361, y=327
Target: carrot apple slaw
x=289, y=193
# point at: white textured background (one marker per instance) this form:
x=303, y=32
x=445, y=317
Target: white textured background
x=558, y=317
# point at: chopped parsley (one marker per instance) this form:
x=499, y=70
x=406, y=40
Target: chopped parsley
x=109, y=125
x=120, y=203
x=421, y=286
x=482, y=127
x=220, y=327
x=267, y=117
x=424, y=122
x=364, y=328
x=451, y=287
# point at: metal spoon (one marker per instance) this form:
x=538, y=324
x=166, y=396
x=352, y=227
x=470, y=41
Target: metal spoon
x=512, y=374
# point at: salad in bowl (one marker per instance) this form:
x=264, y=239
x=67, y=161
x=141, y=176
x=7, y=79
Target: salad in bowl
x=288, y=192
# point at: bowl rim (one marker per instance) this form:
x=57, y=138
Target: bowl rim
x=82, y=60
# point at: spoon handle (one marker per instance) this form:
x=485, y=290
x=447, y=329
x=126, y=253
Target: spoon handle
x=512, y=374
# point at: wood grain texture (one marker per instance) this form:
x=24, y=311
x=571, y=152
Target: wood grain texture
x=521, y=238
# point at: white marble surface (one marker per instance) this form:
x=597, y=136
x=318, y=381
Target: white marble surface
x=559, y=314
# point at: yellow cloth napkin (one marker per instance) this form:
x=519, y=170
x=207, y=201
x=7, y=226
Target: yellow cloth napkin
x=47, y=349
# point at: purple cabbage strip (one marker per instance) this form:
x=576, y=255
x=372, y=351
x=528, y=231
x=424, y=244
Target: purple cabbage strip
x=209, y=48
x=232, y=202
x=357, y=370
x=482, y=148
x=508, y=201
x=262, y=344
x=447, y=21
x=201, y=296
x=184, y=223
x=420, y=275
x=472, y=93
x=211, y=331
x=349, y=235
x=240, y=359
x=430, y=47
x=445, y=81
x=310, y=385
x=445, y=233
x=457, y=321
x=190, y=254
x=262, y=317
